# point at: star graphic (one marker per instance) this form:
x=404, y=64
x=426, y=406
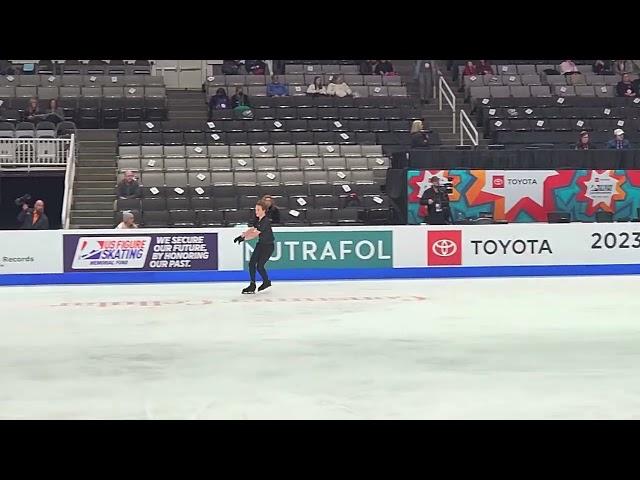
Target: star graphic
x=600, y=189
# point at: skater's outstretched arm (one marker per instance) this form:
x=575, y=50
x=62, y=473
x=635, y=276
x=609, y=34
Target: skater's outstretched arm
x=251, y=234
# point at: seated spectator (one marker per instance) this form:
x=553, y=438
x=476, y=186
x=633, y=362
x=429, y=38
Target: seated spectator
x=419, y=138
x=32, y=109
x=469, y=69
x=240, y=99
x=484, y=68
x=128, y=186
x=603, y=67
x=55, y=113
x=317, y=88
x=584, y=143
x=231, y=67
x=625, y=88
x=618, y=142
x=383, y=67
x=366, y=67
x=620, y=67
x=255, y=67
x=338, y=87
x=277, y=89
x=127, y=221
x=568, y=68
x=219, y=101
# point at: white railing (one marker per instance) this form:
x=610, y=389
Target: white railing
x=69, y=178
x=444, y=91
x=34, y=153
x=467, y=126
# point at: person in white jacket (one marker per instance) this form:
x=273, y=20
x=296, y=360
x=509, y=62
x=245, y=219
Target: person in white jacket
x=338, y=87
x=317, y=88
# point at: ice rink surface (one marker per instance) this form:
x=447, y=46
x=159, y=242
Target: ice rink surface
x=537, y=348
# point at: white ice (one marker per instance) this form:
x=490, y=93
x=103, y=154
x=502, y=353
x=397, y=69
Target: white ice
x=441, y=349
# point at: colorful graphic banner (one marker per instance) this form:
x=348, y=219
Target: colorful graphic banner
x=529, y=195
x=141, y=252
x=329, y=249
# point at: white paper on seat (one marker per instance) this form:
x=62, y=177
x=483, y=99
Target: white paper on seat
x=270, y=176
x=211, y=125
x=298, y=89
x=1, y=102
x=277, y=124
x=11, y=78
x=341, y=175
x=309, y=68
x=242, y=162
x=636, y=100
x=563, y=89
x=540, y=123
x=132, y=90
x=379, y=161
x=492, y=111
x=301, y=201
x=378, y=200
x=505, y=69
x=51, y=78
x=603, y=89
x=607, y=111
x=201, y=177
x=311, y=162
x=92, y=78
x=149, y=125
x=151, y=163
x=473, y=78
x=621, y=123
x=154, y=190
x=528, y=111
x=344, y=136
x=561, y=100
x=215, y=136
x=579, y=123
x=294, y=213
x=211, y=79
x=498, y=123
x=114, y=79
x=178, y=190
x=198, y=149
x=377, y=89
x=346, y=188
x=199, y=190
x=337, y=123
x=330, y=149
x=263, y=149
x=485, y=101
x=512, y=78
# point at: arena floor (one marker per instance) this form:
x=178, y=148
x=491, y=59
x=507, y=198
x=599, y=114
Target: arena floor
x=551, y=348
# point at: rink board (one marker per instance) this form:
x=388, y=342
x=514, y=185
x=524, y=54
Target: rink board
x=320, y=253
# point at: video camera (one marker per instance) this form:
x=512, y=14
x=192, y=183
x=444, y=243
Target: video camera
x=448, y=185
x=26, y=198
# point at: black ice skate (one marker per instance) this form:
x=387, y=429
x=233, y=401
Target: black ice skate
x=250, y=289
x=264, y=286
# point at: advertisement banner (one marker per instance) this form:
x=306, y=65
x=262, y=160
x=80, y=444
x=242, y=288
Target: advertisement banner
x=529, y=195
x=31, y=251
x=320, y=248
x=141, y=252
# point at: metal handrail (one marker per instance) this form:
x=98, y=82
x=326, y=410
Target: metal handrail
x=69, y=178
x=445, y=91
x=467, y=126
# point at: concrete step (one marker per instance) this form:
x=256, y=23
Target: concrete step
x=97, y=191
x=95, y=177
x=94, y=169
x=97, y=134
x=92, y=222
x=76, y=214
x=83, y=198
x=95, y=183
x=92, y=206
x=110, y=162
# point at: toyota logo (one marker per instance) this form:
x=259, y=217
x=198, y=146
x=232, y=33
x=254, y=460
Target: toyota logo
x=444, y=248
x=498, y=181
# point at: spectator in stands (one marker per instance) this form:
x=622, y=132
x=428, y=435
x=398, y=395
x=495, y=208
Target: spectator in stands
x=621, y=67
x=255, y=67
x=32, y=109
x=469, y=69
x=240, y=99
x=277, y=89
x=584, y=143
x=317, y=88
x=272, y=211
x=127, y=221
x=338, y=87
x=55, y=112
x=128, y=186
x=366, y=67
x=419, y=138
x=33, y=218
x=383, y=67
x=618, y=142
x=231, y=67
x=568, y=67
x=219, y=101
x=484, y=67
x=603, y=67
x=625, y=88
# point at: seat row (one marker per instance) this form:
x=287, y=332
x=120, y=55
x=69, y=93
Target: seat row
x=224, y=151
x=339, y=113
x=295, y=91
x=41, y=130
x=87, y=92
x=218, y=81
x=540, y=91
x=81, y=81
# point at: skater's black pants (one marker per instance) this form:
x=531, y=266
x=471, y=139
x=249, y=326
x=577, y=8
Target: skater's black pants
x=259, y=258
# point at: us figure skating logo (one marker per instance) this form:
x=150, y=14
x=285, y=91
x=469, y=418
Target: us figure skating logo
x=111, y=252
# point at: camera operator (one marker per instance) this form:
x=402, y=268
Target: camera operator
x=436, y=198
x=33, y=218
